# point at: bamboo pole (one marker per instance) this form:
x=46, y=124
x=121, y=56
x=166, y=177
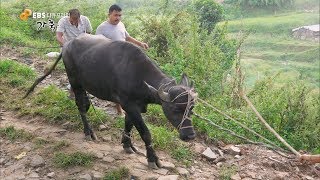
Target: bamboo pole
x=269, y=127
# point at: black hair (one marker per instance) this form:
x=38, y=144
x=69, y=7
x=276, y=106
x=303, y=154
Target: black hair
x=114, y=8
x=74, y=12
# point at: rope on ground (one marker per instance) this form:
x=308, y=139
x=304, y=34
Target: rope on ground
x=239, y=123
x=227, y=130
x=46, y=47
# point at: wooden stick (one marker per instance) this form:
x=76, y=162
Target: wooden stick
x=269, y=127
x=310, y=158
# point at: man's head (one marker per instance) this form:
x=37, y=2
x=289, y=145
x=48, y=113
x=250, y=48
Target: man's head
x=114, y=14
x=74, y=15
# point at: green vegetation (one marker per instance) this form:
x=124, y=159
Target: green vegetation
x=226, y=172
x=15, y=134
x=64, y=160
x=40, y=142
x=120, y=173
x=57, y=108
x=13, y=74
x=60, y=145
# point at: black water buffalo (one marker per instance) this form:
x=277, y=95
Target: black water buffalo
x=121, y=72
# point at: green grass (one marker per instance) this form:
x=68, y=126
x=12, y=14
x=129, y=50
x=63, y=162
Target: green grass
x=40, y=142
x=64, y=160
x=270, y=48
x=15, y=74
x=274, y=24
x=58, y=146
x=14, y=134
x=117, y=174
x=226, y=172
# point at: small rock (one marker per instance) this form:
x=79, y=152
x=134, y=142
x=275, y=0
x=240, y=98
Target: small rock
x=97, y=175
x=237, y=156
x=16, y=176
x=37, y=161
x=183, y=171
x=28, y=61
x=2, y=161
x=99, y=155
x=85, y=177
x=199, y=147
x=161, y=171
x=141, y=166
x=169, y=177
x=106, y=139
x=108, y=159
x=209, y=154
x=308, y=178
x=168, y=165
x=192, y=170
x=150, y=177
x=252, y=175
x=138, y=172
x=233, y=150
x=236, y=177
x=66, y=125
x=102, y=127
x=33, y=175
x=219, y=159
x=281, y=175
x=219, y=164
x=51, y=175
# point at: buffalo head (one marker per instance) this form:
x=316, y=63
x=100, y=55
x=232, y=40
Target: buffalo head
x=177, y=101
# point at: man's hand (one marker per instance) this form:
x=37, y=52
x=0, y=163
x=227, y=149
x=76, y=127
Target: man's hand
x=144, y=45
x=59, y=38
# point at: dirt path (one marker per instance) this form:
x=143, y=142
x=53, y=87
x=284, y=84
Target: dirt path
x=254, y=163
x=108, y=151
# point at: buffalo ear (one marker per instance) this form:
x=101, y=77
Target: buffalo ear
x=185, y=80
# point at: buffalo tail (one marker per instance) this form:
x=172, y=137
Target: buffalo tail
x=44, y=76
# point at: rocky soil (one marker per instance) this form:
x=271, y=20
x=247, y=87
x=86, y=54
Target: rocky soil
x=27, y=160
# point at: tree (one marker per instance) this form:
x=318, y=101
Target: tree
x=209, y=12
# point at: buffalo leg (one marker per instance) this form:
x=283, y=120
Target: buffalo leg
x=136, y=119
x=126, y=138
x=83, y=104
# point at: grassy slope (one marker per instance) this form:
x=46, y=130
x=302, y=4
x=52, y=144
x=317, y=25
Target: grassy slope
x=270, y=48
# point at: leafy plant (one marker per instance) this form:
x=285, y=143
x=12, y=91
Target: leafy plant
x=209, y=13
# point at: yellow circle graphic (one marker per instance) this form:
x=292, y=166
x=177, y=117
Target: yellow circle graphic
x=23, y=16
x=28, y=12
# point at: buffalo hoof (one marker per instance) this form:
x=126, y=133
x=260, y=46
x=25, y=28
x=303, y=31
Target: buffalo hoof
x=129, y=150
x=92, y=137
x=155, y=165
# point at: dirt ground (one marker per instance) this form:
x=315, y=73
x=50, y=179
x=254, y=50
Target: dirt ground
x=26, y=160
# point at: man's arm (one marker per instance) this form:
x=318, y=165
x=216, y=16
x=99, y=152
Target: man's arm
x=139, y=43
x=88, y=26
x=59, y=38
x=59, y=31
